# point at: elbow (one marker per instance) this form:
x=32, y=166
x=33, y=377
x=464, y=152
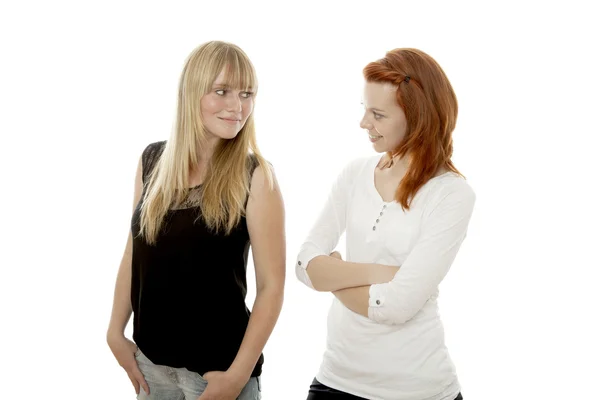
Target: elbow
x=391, y=305
x=270, y=297
x=272, y=285
x=320, y=288
x=314, y=284
x=273, y=291
x=396, y=312
x=311, y=282
x=391, y=317
x=402, y=318
x=303, y=277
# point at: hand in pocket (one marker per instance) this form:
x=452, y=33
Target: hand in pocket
x=124, y=351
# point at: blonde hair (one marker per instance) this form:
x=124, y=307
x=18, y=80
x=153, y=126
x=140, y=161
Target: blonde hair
x=227, y=183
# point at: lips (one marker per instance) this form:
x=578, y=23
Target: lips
x=230, y=119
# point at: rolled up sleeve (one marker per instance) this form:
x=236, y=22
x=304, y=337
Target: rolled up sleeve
x=443, y=230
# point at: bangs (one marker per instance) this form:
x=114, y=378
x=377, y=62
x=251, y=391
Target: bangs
x=239, y=73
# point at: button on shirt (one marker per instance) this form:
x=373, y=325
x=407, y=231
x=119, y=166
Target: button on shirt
x=398, y=352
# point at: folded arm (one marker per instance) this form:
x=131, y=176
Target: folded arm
x=319, y=271
x=443, y=231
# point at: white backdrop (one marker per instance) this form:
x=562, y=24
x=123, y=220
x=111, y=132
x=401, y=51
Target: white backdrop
x=85, y=86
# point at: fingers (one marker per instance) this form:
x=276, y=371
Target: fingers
x=137, y=379
x=140, y=378
x=135, y=383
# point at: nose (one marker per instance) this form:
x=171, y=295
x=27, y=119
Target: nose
x=365, y=123
x=234, y=103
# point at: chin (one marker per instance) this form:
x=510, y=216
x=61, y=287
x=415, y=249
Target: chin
x=379, y=148
x=228, y=136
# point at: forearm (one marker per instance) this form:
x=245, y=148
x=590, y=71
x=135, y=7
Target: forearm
x=328, y=274
x=121, y=310
x=265, y=313
x=355, y=299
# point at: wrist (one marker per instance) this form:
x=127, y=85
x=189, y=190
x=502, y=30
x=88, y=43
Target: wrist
x=375, y=274
x=239, y=374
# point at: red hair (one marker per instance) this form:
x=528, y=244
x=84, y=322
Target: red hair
x=425, y=95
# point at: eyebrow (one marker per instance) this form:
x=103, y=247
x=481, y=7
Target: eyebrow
x=372, y=108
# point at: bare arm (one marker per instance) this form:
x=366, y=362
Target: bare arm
x=399, y=300
x=355, y=299
x=266, y=225
x=121, y=310
x=321, y=272
x=122, y=348
x=329, y=274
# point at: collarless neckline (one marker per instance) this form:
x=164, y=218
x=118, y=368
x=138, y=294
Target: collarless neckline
x=373, y=188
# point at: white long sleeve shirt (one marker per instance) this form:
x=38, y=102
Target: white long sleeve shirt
x=398, y=353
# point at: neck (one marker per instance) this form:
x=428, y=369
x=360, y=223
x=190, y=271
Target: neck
x=206, y=150
x=198, y=170
x=395, y=162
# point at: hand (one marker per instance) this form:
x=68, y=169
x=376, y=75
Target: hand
x=336, y=254
x=222, y=386
x=124, y=351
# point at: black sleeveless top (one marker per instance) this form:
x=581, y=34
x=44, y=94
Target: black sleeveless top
x=188, y=290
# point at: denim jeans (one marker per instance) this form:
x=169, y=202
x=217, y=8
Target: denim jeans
x=167, y=383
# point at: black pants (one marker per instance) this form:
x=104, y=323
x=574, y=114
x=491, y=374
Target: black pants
x=318, y=391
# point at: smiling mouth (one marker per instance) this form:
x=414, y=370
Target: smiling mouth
x=374, y=136
x=229, y=119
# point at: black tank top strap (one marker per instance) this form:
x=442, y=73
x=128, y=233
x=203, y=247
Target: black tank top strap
x=150, y=157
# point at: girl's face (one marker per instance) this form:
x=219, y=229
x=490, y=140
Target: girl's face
x=384, y=119
x=225, y=110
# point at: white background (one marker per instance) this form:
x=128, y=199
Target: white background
x=85, y=86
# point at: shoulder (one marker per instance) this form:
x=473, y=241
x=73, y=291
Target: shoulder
x=264, y=190
x=261, y=173
x=454, y=183
x=252, y=163
x=153, y=149
x=451, y=190
x=359, y=166
x=150, y=156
